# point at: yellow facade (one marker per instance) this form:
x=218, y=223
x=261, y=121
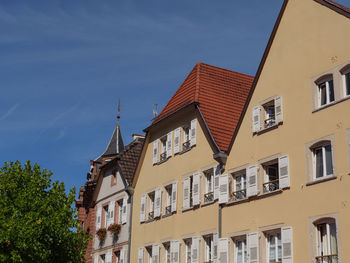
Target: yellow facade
x=309, y=48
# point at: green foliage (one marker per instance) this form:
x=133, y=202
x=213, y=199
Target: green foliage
x=38, y=222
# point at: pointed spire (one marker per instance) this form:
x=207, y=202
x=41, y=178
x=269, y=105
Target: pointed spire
x=118, y=128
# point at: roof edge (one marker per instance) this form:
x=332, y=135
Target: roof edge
x=339, y=8
x=258, y=72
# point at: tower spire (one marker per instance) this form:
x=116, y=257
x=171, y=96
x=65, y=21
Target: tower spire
x=118, y=131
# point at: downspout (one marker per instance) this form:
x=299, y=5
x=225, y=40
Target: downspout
x=222, y=167
x=130, y=191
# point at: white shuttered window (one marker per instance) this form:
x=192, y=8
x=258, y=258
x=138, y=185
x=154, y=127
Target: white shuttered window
x=124, y=211
x=256, y=119
x=158, y=202
x=175, y=251
x=215, y=247
x=253, y=247
x=186, y=193
x=111, y=207
x=177, y=140
x=195, y=250
x=155, y=254
x=278, y=109
x=98, y=217
x=155, y=151
x=143, y=209
x=122, y=256
x=283, y=165
x=287, y=244
x=223, y=250
x=193, y=132
x=169, y=148
x=224, y=187
x=217, y=173
x=140, y=255
x=173, y=197
x=196, y=188
x=252, y=180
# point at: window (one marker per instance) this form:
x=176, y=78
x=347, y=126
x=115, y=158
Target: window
x=239, y=185
x=346, y=79
x=106, y=216
x=191, y=191
x=322, y=160
x=269, y=112
x=163, y=145
x=168, y=190
x=151, y=205
x=274, y=247
x=120, y=211
x=325, y=89
x=186, y=138
x=241, y=250
x=167, y=254
x=149, y=254
x=188, y=250
x=326, y=242
x=209, y=245
x=209, y=178
x=271, y=176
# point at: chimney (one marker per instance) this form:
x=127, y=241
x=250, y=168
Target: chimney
x=136, y=136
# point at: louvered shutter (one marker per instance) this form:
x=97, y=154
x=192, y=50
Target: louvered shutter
x=155, y=151
x=98, y=217
x=124, y=212
x=217, y=174
x=108, y=258
x=175, y=251
x=196, y=188
x=223, y=250
x=256, y=119
x=122, y=256
x=252, y=180
x=158, y=202
x=177, y=140
x=283, y=166
x=173, y=197
x=186, y=193
x=169, y=148
x=195, y=250
x=287, y=244
x=223, y=182
x=96, y=259
x=193, y=132
x=215, y=247
x=253, y=247
x=140, y=255
x=155, y=254
x=143, y=209
x=111, y=207
x=278, y=109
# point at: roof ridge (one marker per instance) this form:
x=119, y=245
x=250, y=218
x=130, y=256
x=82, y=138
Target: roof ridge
x=225, y=69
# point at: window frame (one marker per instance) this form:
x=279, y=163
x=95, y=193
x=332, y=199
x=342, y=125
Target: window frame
x=266, y=177
x=325, y=80
x=208, y=248
x=345, y=71
x=168, y=190
x=242, y=238
x=209, y=191
x=242, y=174
x=321, y=146
x=185, y=133
x=150, y=205
x=265, y=106
x=188, y=250
x=278, y=245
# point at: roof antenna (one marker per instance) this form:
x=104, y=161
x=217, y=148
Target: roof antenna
x=155, y=110
x=118, y=117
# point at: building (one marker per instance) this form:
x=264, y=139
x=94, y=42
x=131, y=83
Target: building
x=105, y=200
x=175, y=209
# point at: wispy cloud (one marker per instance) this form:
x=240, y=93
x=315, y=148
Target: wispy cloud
x=61, y=134
x=9, y=112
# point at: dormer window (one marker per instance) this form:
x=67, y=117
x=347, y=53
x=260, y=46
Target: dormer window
x=325, y=91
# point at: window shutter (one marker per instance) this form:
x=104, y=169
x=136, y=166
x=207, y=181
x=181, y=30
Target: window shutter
x=256, y=119
x=124, y=212
x=215, y=247
x=155, y=254
x=253, y=247
x=177, y=140
x=252, y=180
x=122, y=256
x=195, y=250
x=140, y=255
x=283, y=166
x=173, y=197
x=108, y=257
x=217, y=172
x=278, y=109
x=158, y=202
x=223, y=250
x=155, y=151
x=287, y=244
x=96, y=259
x=196, y=188
x=193, y=132
x=175, y=251
x=98, y=217
x=143, y=208
x=169, y=144
x=223, y=182
x=186, y=193
x=111, y=207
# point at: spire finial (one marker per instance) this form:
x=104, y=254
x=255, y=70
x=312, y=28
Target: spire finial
x=118, y=115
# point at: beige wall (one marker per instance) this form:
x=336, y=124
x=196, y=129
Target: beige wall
x=311, y=40
x=181, y=224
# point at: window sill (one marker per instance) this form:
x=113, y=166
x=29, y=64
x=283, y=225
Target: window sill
x=168, y=215
x=322, y=179
x=272, y=127
x=163, y=161
x=267, y=194
x=189, y=209
x=208, y=203
x=331, y=104
x=239, y=201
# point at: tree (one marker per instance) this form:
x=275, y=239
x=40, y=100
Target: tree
x=38, y=222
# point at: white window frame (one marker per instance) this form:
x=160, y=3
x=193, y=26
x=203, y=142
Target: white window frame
x=149, y=253
x=120, y=210
x=273, y=234
x=208, y=248
x=106, y=212
x=209, y=185
x=168, y=190
x=243, y=240
x=151, y=204
x=267, y=119
x=344, y=73
x=186, y=137
x=167, y=252
x=163, y=148
x=266, y=180
x=243, y=175
x=313, y=149
x=325, y=81
x=188, y=250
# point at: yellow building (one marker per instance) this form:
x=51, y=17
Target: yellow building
x=289, y=162
x=259, y=177
x=175, y=213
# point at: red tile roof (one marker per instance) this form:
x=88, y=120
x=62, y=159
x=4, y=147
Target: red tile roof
x=221, y=95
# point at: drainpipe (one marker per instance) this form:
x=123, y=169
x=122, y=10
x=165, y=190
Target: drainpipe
x=130, y=191
x=220, y=221
x=221, y=158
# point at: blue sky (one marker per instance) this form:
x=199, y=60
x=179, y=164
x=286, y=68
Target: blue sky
x=65, y=64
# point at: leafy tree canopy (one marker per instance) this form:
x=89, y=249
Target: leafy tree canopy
x=38, y=222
